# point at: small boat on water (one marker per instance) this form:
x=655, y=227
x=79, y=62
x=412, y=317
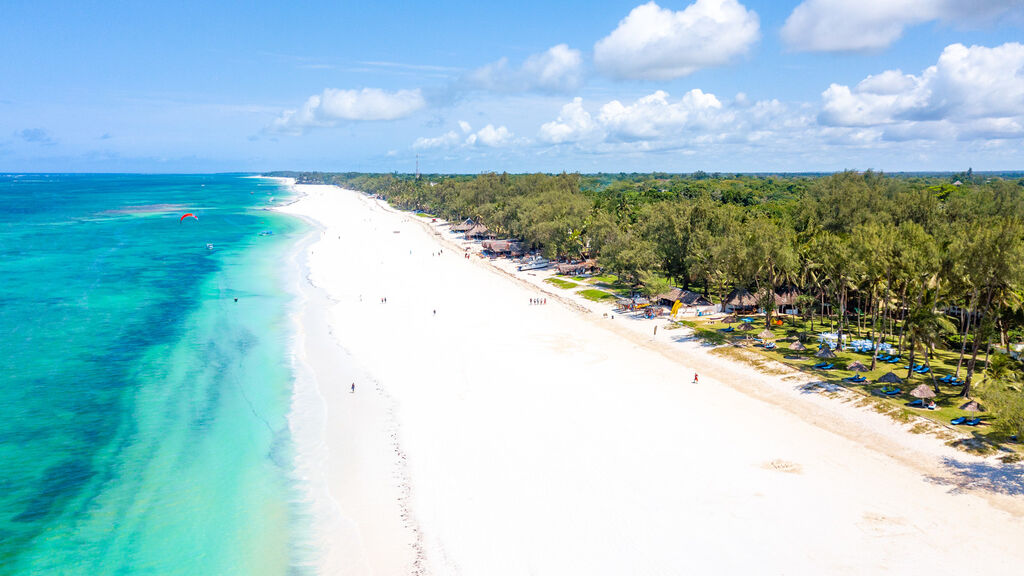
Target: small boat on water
x=267, y=233
x=535, y=263
x=209, y=246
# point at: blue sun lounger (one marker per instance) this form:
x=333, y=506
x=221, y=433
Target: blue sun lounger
x=948, y=378
x=857, y=378
x=819, y=364
x=890, y=390
x=827, y=367
x=973, y=422
x=883, y=357
x=893, y=360
x=958, y=421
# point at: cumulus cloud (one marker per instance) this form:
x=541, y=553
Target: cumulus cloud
x=841, y=25
x=490, y=136
x=970, y=90
x=652, y=116
x=655, y=43
x=558, y=69
x=332, y=106
x=659, y=122
x=574, y=123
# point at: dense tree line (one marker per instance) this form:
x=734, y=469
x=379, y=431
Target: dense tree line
x=923, y=260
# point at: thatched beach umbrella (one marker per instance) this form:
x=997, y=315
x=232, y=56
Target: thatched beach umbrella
x=825, y=352
x=973, y=406
x=766, y=334
x=923, y=391
x=731, y=319
x=891, y=378
x=798, y=346
x=857, y=367
x=746, y=326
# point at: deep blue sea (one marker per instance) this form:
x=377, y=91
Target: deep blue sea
x=143, y=410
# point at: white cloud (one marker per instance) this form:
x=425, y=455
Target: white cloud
x=653, y=116
x=656, y=122
x=445, y=140
x=842, y=25
x=655, y=43
x=332, y=105
x=970, y=90
x=490, y=136
x=574, y=123
x=558, y=69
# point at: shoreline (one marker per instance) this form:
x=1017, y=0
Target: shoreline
x=334, y=473
x=441, y=549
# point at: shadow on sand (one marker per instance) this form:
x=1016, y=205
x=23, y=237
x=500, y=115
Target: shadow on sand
x=1000, y=478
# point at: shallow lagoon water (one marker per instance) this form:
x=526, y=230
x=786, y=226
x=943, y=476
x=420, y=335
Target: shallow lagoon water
x=143, y=411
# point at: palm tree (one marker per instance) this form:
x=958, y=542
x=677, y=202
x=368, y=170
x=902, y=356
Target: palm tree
x=924, y=328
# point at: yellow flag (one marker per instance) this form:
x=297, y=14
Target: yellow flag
x=675, y=307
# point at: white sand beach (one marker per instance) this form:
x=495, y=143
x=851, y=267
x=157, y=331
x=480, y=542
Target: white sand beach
x=489, y=436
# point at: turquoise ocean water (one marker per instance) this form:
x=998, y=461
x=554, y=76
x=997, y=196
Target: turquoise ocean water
x=143, y=411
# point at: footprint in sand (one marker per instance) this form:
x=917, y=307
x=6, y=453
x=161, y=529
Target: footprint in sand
x=783, y=466
x=877, y=524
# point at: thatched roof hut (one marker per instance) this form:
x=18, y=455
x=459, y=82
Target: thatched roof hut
x=857, y=367
x=798, y=346
x=685, y=297
x=766, y=334
x=973, y=406
x=573, y=269
x=786, y=296
x=891, y=378
x=825, y=352
x=923, y=391
x=463, y=226
x=478, y=231
x=502, y=246
x=740, y=298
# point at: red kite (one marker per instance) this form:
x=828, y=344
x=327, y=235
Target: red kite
x=187, y=215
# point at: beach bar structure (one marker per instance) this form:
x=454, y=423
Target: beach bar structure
x=477, y=232
x=578, y=268
x=464, y=226
x=742, y=300
x=689, y=302
x=503, y=247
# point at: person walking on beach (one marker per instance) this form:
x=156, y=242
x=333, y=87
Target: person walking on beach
x=694, y=377
x=353, y=388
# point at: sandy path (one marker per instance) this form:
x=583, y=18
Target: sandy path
x=539, y=440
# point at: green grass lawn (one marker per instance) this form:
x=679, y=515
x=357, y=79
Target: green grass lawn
x=425, y=215
x=561, y=283
x=596, y=295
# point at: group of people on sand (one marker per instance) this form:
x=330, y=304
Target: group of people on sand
x=538, y=301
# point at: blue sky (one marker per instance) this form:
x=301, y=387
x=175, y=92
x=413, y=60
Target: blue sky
x=715, y=85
